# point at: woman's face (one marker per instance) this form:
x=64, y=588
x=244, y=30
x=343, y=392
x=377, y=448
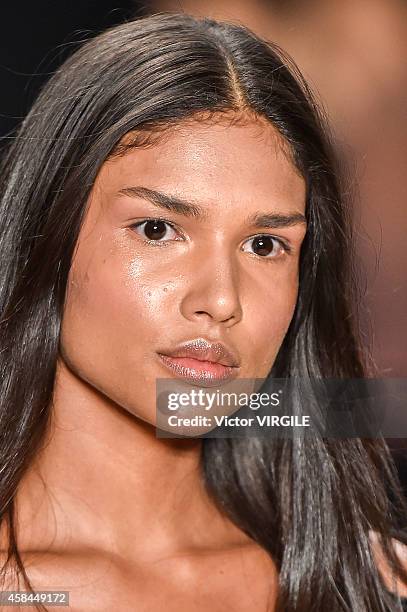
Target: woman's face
x=222, y=266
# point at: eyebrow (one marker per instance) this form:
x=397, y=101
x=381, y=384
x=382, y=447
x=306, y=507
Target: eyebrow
x=189, y=209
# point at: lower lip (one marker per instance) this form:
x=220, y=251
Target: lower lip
x=195, y=370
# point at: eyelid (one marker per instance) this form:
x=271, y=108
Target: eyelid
x=157, y=218
x=283, y=242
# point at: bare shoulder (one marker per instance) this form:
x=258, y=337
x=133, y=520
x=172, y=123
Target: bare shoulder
x=393, y=584
x=253, y=576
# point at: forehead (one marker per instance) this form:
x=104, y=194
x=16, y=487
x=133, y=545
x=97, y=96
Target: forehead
x=236, y=162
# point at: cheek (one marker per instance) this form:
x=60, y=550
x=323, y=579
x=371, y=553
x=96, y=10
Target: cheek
x=110, y=324
x=269, y=322
x=111, y=315
x=116, y=312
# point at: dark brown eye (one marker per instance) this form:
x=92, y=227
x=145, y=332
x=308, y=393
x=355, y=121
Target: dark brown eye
x=267, y=246
x=154, y=229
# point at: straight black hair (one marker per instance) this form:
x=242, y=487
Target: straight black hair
x=310, y=503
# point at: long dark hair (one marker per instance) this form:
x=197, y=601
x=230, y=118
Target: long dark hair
x=311, y=503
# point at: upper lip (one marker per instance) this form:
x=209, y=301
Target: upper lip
x=205, y=350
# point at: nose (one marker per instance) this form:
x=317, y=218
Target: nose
x=213, y=294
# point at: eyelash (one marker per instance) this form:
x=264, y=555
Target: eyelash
x=282, y=243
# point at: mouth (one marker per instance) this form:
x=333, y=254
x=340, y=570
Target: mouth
x=207, y=373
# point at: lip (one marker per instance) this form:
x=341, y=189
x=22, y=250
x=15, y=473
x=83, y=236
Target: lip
x=202, y=361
